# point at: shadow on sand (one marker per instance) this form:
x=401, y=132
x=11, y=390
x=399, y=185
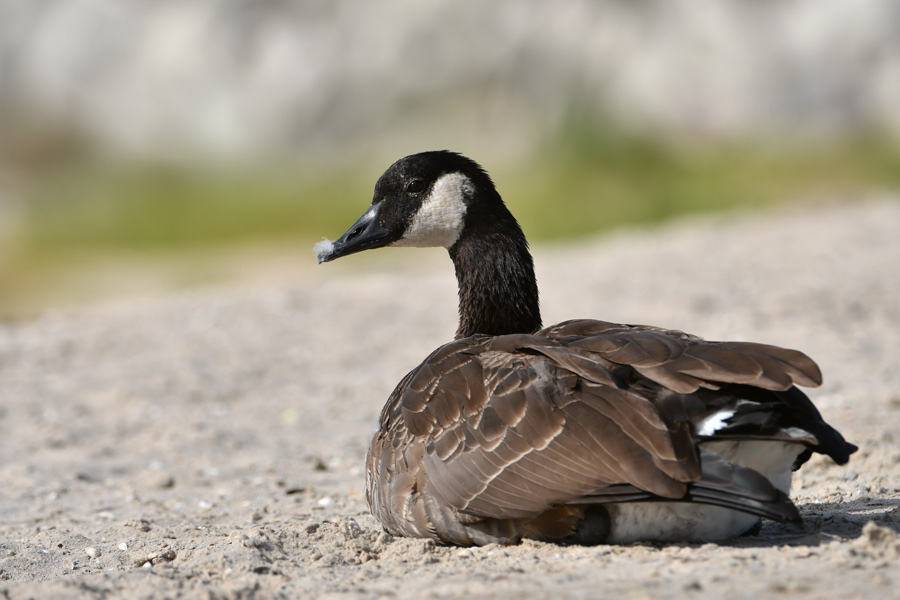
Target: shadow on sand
x=826, y=522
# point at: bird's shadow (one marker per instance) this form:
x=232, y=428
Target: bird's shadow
x=826, y=522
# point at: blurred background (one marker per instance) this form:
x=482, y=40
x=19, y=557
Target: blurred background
x=152, y=145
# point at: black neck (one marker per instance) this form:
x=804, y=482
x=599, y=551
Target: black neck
x=497, y=287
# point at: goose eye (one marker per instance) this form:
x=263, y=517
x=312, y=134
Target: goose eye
x=415, y=186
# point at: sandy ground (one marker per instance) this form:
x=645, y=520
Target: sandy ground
x=211, y=444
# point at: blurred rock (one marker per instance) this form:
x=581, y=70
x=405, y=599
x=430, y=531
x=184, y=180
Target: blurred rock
x=248, y=77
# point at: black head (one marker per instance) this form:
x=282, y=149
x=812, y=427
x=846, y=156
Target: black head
x=423, y=199
x=445, y=199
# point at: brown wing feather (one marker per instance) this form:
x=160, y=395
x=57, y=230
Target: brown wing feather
x=683, y=362
x=517, y=455
x=502, y=429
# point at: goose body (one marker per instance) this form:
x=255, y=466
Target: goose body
x=585, y=431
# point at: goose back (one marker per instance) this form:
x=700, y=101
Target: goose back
x=503, y=437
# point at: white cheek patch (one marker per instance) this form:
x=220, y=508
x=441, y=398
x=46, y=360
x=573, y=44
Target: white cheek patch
x=439, y=220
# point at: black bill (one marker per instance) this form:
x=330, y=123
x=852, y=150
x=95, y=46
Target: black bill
x=365, y=234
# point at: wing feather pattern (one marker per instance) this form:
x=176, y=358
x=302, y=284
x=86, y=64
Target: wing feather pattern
x=491, y=432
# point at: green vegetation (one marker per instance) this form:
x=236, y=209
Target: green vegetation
x=589, y=182
x=148, y=207
x=586, y=182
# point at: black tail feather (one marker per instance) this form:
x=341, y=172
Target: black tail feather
x=722, y=484
x=730, y=485
x=831, y=442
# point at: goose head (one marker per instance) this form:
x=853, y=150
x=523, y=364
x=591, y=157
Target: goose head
x=422, y=200
x=445, y=199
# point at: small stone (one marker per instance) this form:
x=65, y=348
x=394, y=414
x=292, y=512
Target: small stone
x=167, y=555
x=351, y=528
x=123, y=546
x=139, y=524
x=162, y=480
x=155, y=558
x=92, y=552
x=693, y=586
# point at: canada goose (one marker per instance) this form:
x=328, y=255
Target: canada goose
x=584, y=432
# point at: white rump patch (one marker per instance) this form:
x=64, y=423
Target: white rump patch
x=324, y=248
x=772, y=459
x=439, y=220
x=677, y=521
x=714, y=422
